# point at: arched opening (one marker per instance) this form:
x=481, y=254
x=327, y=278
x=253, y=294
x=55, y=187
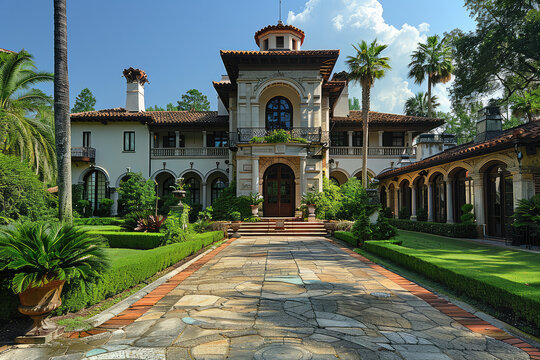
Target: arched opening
x=165, y=182
x=462, y=186
x=499, y=200
x=382, y=196
x=216, y=189
x=370, y=176
x=421, y=195
x=279, y=114
x=392, y=199
x=338, y=177
x=95, y=188
x=278, y=191
x=405, y=197
x=439, y=198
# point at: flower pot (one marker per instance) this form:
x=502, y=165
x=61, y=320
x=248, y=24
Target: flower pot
x=38, y=302
x=235, y=226
x=255, y=210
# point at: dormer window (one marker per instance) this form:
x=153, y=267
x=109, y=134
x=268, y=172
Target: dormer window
x=280, y=42
x=294, y=45
x=265, y=44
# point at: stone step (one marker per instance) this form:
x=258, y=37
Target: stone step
x=284, y=233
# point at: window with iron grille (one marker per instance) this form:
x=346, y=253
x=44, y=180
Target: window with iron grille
x=393, y=139
x=339, y=138
x=169, y=140
x=358, y=138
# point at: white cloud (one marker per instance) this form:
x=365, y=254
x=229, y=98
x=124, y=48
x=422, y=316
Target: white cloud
x=336, y=24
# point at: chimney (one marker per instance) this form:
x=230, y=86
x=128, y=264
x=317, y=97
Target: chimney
x=489, y=123
x=136, y=78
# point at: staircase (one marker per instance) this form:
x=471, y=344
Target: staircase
x=269, y=227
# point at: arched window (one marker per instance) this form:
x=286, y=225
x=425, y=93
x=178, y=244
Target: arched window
x=194, y=188
x=218, y=185
x=168, y=185
x=279, y=114
x=95, y=188
x=499, y=192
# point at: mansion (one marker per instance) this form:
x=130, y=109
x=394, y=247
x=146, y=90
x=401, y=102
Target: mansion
x=278, y=86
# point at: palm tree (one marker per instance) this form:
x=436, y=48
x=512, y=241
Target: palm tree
x=61, y=112
x=25, y=122
x=434, y=61
x=365, y=68
x=417, y=105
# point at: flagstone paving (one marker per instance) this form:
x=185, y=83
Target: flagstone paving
x=288, y=298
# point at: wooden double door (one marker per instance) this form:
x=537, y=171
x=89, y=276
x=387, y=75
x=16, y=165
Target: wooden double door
x=278, y=191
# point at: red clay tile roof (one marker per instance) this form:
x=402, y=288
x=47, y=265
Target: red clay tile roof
x=524, y=134
x=6, y=51
x=378, y=118
x=155, y=118
x=280, y=28
x=133, y=75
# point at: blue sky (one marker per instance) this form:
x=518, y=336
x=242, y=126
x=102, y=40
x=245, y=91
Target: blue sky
x=177, y=42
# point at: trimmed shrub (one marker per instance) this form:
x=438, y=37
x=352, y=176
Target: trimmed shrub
x=361, y=228
x=421, y=214
x=458, y=230
x=347, y=237
x=382, y=230
x=467, y=215
x=404, y=214
x=500, y=293
x=99, y=221
x=105, y=206
x=228, y=203
x=136, y=193
x=132, y=240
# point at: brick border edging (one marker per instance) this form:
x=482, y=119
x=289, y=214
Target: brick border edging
x=139, y=308
x=465, y=318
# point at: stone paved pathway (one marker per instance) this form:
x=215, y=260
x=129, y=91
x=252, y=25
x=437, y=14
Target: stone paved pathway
x=284, y=298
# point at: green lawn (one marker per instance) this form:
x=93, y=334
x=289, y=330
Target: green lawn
x=101, y=227
x=505, y=279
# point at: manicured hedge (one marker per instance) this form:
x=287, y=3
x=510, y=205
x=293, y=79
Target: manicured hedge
x=500, y=293
x=98, y=221
x=346, y=236
x=132, y=240
x=452, y=230
x=124, y=273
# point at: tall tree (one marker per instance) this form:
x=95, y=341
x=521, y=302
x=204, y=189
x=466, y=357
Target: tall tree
x=169, y=107
x=417, y=105
x=61, y=112
x=432, y=60
x=365, y=67
x=502, y=55
x=85, y=101
x=194, y=100
x=26, y=129
x=354, y=104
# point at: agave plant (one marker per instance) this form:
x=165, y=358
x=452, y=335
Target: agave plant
x=150, y=223
x=41, y=253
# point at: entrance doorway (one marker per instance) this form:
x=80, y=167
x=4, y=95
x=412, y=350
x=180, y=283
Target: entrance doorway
x=278, y=191
x=500, y=201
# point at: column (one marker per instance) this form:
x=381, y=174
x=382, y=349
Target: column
x=410, y=138
x=449, y=201
x=380, y=138
x=396, y=199
x=255, y=175
x=387, y=198
x=203, y=138
x=177, y=139
x=523, y=186
x=203, y=198
x=430, y=201
x=413, y=203
x=350, y=135
x=114, y=209
x=303, y=176
x=479, y=200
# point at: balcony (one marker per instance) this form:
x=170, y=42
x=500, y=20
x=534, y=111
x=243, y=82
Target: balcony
x=212, y=152
x=380, y=151
x=312, y=135
x=84, y=154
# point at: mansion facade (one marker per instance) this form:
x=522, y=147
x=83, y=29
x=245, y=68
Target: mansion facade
x=278, y=87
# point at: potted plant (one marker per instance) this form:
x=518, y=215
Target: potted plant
x=43, y=257
x=310, y=199
x=255, y=200
x=236, y=222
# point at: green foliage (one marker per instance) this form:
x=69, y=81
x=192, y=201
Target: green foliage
x=99, y=221
x=131, y=240
x=129, y=270
x=362, y=227
x=150, y=223
x=256, y=198
x=83, y=207
x=467, y=215
x=382, y=229
x=176, y=226
x=526, y=103
x=137, y=194
x=462, y=120
x=131, y=220
x=328, y=203
x=236, y=216
x=105, y=206
x=417, y=105
x=354, y=104
x=404, y=213
x=85, y=101
x=458, y=230
x=346, y=236
x=527, y=215
x=368, y=64
x=195, y=210
x=252, y=219
x=387, y=212
x=40, y=253
x=355, y=200
x=169, y=107
x=228, y=202
x=194, y=100
x=421, y=214
x=22, y=195
x=168, y=201
x=462, y=266
x=278, y=136
x=311, y=197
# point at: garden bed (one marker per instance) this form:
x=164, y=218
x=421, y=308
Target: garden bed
x=507, y=280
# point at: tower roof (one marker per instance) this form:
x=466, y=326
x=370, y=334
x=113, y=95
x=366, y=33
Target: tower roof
x=280, y=28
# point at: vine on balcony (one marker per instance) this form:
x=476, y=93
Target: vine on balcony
x=278, y=136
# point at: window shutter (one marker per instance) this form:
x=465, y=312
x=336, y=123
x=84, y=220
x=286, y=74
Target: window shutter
x=387, y=139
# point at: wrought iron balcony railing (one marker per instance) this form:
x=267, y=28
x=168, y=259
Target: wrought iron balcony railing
x=372, y=151
x=190, y=152
x=86, y=154
x=311, y=135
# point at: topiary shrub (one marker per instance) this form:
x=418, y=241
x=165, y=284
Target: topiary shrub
x=404, y=213
x=136, y=194
x=229, y=202
x=105, y=206
x=467, y=215
x=421, y=214
x=362, y=228
x=383, y=230
x=83, y=207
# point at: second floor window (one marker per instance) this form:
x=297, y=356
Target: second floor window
x=169, y=140
x=86, y=139
x=358, y=138
x=279, y=114
x=265, y=44
x=339, y=138
x=217, y=139
x=129, y=140
x=393, y=139
x=280, y=42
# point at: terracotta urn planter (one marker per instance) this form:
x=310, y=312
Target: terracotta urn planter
x=311, y=209
x=235, y=226
x=255, y=210
x=38, y=303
